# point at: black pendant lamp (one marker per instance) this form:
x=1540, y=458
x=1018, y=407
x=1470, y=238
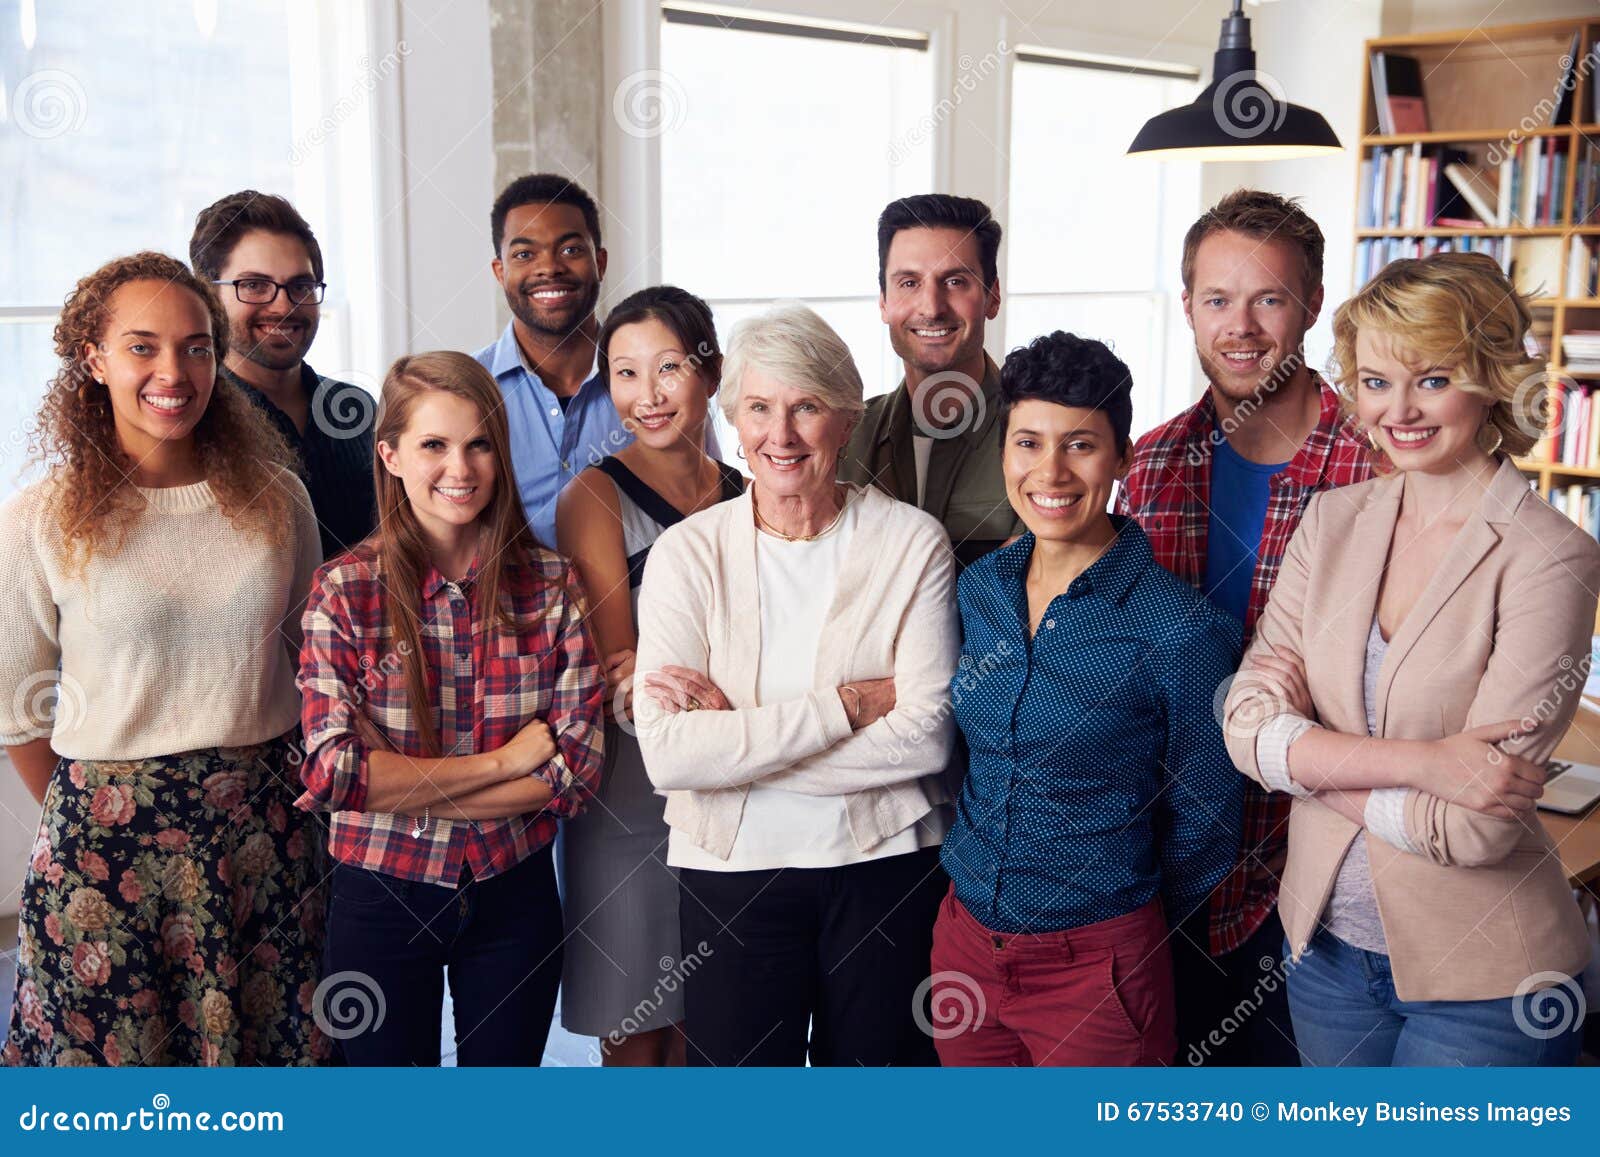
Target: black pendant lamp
x=1241, y=116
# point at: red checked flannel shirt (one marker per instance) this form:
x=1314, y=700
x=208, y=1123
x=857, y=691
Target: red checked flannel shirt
x=489, y=685
x=1168, y=492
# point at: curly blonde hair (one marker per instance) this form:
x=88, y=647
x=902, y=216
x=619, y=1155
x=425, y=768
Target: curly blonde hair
x=94, y=500
x=1455, y=309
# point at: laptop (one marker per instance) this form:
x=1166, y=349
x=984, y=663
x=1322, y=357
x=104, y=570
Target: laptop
x=1571, y=788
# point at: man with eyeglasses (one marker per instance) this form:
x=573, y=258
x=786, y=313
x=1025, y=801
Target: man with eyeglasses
x=267, y=266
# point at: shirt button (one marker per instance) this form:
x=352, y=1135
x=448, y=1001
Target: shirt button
x=554, y=410
x=566, y=467
x=1049, y=624
x=998, y=942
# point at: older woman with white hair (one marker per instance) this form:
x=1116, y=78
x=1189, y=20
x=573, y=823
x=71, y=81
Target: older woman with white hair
x=796, y=646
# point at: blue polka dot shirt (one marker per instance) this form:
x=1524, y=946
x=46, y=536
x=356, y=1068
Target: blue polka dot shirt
x=1098, y=778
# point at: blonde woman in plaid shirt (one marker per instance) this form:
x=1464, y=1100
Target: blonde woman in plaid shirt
x=452, y=712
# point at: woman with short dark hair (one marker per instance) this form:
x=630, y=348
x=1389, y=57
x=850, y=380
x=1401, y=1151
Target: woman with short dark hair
x=1100, y=806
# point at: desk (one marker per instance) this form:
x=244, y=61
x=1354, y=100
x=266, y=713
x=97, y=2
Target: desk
x=1577, y=838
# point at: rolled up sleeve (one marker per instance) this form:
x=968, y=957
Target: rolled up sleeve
x=335, y=767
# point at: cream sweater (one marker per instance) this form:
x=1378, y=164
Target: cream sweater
x=894, y=614
x=181, y=639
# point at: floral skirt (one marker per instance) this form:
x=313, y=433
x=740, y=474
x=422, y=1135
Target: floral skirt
x=172, y=915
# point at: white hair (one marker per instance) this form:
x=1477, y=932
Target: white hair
x=793, y=344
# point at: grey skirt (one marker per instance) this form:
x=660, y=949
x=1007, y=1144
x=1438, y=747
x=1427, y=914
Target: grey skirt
x=620, y=903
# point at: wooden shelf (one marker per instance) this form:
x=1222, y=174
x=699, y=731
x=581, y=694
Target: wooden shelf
x=1556, y=469
x=1446, y=136
x=1486, y=231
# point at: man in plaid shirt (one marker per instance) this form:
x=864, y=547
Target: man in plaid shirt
x=1219, y=490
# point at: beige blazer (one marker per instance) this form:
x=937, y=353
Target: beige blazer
x=1502, y=631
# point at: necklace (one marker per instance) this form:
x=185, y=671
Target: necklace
x=787, y=537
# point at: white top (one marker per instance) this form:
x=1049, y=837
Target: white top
x=922, y=449
x=178, y=640
x=895, y=615
x=789, y=829
x=1352, y=911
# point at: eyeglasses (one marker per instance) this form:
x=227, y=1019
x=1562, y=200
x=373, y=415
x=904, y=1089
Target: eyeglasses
x=263, y=290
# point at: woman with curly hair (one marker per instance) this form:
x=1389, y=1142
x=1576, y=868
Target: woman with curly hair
x=170, y=913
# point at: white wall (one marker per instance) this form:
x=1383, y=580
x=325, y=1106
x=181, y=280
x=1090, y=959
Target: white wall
x=436, y=164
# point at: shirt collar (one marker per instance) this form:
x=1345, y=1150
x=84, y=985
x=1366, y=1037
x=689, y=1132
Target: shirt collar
x=1310, y=463
x=1112, y=575
x=433, y=580
x=506, y=360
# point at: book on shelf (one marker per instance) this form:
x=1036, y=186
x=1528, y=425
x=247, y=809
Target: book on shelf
x=1567, y=83
x=1373, y=253
x=1477, y=197
x=1397, y=93
x=1583, y=269
x=1580, y=503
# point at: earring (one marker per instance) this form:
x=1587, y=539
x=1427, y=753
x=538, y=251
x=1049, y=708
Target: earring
x=1372, y=440
x=1499, y=440
x=739, y=450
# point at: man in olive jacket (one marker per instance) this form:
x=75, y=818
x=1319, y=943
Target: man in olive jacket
x=932, y=440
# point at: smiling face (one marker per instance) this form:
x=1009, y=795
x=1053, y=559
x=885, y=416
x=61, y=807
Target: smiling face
x=549, y=268
x=158, y=362
x=1419, y=413
x=1060, y=463
x=790, y=438
x=1249, y=310
x=277, y=334
x=657, y=386
x=445, y=461
x=934, y=300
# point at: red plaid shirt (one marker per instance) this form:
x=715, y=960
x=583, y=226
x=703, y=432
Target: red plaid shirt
x=1168, y=491
x=489, y=683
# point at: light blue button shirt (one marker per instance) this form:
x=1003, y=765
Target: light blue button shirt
x=551, y=446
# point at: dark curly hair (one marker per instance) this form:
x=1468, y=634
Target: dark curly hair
x=1070, y=371
x=244, y=456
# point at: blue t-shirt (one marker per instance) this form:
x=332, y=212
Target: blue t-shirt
x=1239, y=492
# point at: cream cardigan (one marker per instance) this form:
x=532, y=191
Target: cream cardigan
x=894, y=614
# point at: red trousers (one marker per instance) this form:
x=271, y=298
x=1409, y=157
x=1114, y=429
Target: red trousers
x=1098, y=995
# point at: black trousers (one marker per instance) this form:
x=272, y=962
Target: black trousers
x=825, y=963
x=391, y=943
x=1233, y=1009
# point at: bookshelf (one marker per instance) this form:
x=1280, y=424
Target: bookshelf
x=1489, y=95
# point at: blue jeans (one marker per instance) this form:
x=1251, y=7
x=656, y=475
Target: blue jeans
x=1346, y=1013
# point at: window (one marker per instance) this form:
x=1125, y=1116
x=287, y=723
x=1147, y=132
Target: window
x=112, y=142
x=772, y=191
x=1074, y=261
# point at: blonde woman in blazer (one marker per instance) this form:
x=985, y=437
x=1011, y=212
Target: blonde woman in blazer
x=1422, y=654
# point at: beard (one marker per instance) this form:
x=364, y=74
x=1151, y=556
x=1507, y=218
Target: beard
x=564, y=324
x=911, y=351
x=1237, y=388
x=276, y=357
